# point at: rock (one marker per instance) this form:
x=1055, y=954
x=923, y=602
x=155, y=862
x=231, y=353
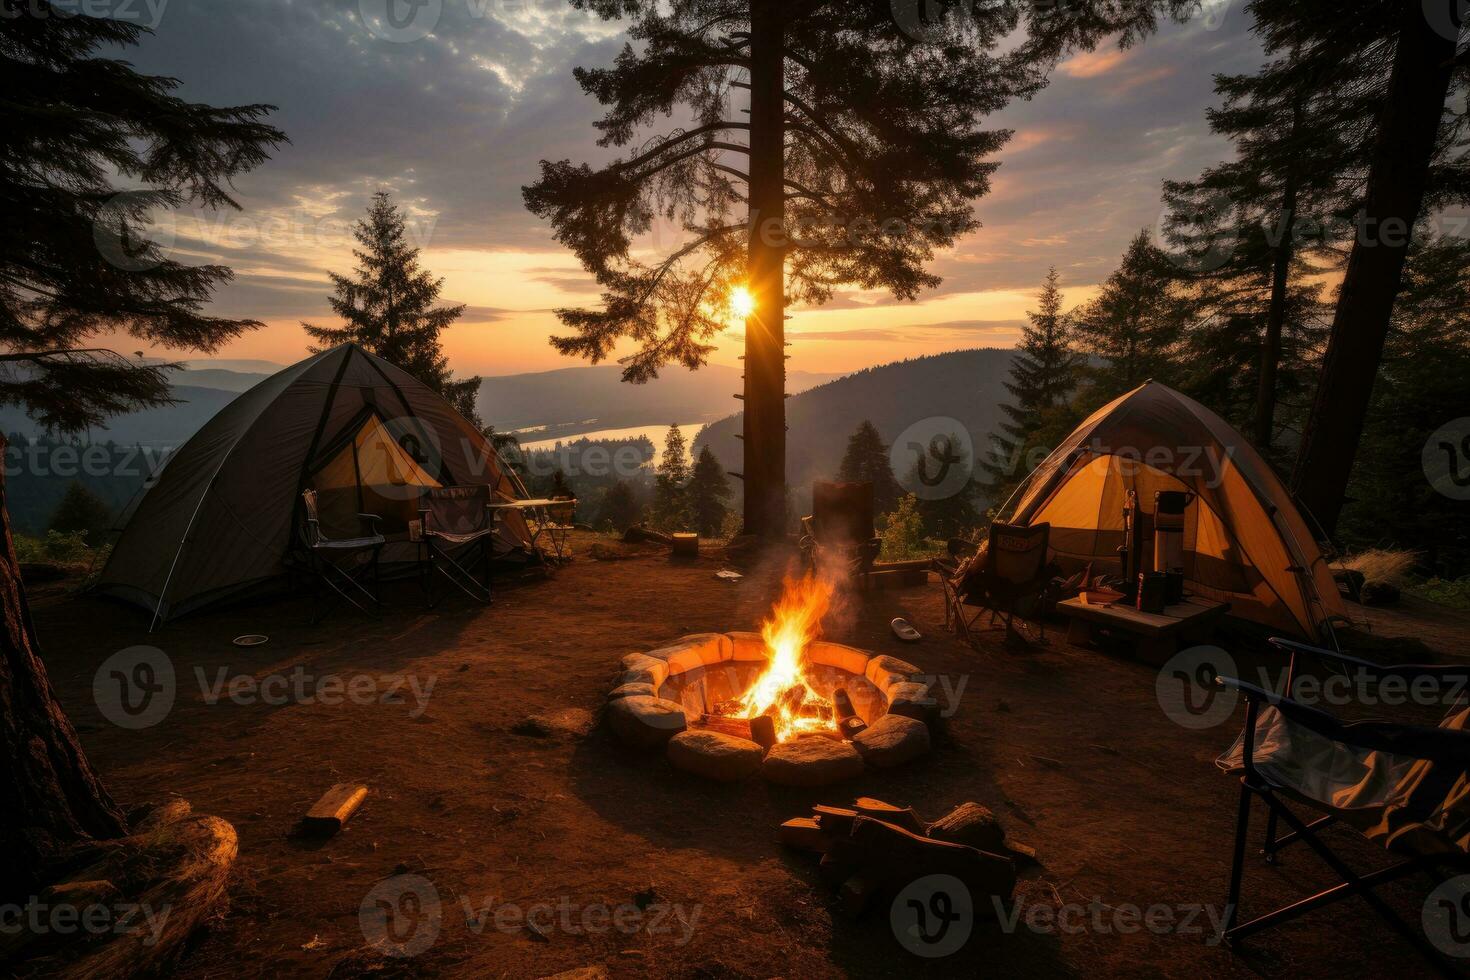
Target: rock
x=884, y=672
x=913, y=700
x=812, y=761
x=715, y=755
x=629, y=690
x=892, y=740
x=566, y=723
x=972, y=825
x=640, y=668
x=1376, y=592
x=645, y=722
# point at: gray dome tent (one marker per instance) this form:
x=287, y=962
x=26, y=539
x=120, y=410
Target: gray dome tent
x=221, y=517
x=1245, y=541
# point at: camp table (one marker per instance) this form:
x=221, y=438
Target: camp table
x=1156, y=635
x=540, y=510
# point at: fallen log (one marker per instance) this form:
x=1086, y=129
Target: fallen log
x=638, y=533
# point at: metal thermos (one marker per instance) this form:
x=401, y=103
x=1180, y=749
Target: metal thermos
x=1169, y=508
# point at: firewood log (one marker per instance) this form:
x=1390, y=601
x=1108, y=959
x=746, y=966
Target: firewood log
x=970, y=824
x=894, y=856
x=904, y=817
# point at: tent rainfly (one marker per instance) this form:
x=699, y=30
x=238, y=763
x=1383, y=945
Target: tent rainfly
x=1245, y=541
x=222, y=516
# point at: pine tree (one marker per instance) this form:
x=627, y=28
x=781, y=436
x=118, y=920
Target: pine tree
x=867, y=461
x=620, y=507
x=82, y=510
x=1420, y=388
x=949, y=514
x=863, y=153
x=388, y=306
x=670, y=486
x=74, y=264
x=1134, y=325
x=1414, y=110
x=708, y=491
x=1042, y=376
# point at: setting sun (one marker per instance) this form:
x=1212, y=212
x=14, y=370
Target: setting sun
x=742, y=304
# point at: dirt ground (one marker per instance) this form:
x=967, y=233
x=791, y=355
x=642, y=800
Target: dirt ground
x=1068, y=746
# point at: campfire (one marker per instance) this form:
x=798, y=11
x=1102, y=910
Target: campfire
x=784, y=691
x=783, y=702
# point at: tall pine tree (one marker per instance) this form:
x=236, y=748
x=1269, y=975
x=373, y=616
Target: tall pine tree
x=1134, y=325
x=861, y=154
x=708, y=492
x=388, y=306
x=1042, y=378
x=867, y=461
x=74, y=263
x=1414, y=109
x=670, y=485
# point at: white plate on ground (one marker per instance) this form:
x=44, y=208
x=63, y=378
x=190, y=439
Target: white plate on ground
x=905, y=631
x=250, y=640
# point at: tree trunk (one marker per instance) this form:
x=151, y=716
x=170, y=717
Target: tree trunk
x=1397, y=176
x=765, y=329
x=49, y=796
x=1265, y=421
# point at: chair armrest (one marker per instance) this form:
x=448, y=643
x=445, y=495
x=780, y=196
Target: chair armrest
x=371, y=520
x=1441, y=745
x=1377, y=671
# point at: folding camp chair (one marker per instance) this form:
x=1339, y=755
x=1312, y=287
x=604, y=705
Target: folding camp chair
x=1009, y=569
x=326, y=557
x=451, y=519
x=840, y=533
x=1402, y=786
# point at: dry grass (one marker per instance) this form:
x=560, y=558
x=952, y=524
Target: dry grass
x=1383, y=565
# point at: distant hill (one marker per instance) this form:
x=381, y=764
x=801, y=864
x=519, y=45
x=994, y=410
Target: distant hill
x=165, y=427
x=571, y=401
x=965, y=385
x=220, y=378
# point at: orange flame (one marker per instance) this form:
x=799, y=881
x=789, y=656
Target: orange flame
x=783, y=690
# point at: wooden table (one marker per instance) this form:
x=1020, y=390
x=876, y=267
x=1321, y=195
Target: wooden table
x=1156, y=636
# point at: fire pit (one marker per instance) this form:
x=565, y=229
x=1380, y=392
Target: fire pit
x=800, y=711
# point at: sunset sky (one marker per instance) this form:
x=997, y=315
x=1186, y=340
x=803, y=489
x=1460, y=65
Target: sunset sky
x=454, y=123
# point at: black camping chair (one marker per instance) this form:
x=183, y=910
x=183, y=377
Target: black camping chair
x=840, y=529
x=1008, y=571
x=327, y=558
x=1400, y=816
x=450, y=520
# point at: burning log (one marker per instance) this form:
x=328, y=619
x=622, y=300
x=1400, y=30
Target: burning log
x=739, y=727
x=848, y=722
x=763, y=731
